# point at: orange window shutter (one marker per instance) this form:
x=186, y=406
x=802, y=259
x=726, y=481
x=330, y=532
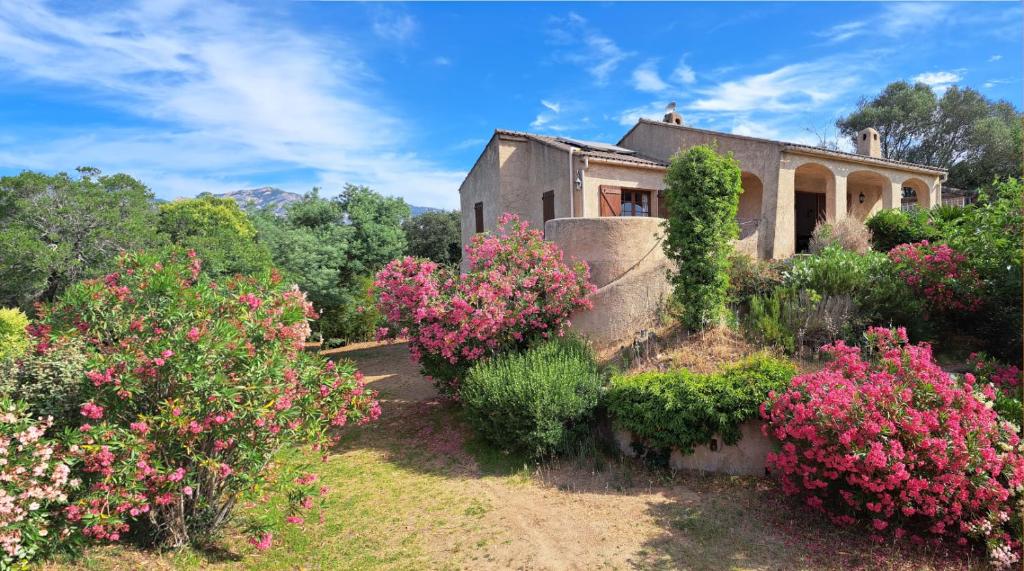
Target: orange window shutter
x=611, y=200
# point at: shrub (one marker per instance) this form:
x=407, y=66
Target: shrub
x=13, y=339
x=750, y=277
x=796, y=319
x=34, y=485
x=49, y=380
x=680, y=409
x=702, y=189
x=436, y=236
x=191, y=388
x=939, y=274
x=517, y=289
x=836, y=271
x=535, y=402
x=1007, y=380
x=888, y=439
x=890, y=228
x=847, y=233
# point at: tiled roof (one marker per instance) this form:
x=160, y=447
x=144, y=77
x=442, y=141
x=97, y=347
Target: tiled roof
x=627, y=158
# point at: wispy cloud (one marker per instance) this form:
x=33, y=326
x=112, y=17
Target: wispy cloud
x=683, y=73
x=654, y=110
x=996, y=57
x=231, y=96
x=895, y=20
x=939, y=80
x=552, y=105
x=394, y=26
x=792, y=87
x=646, y=78
x=843, y=32
x=442, y=61
x=585, y=46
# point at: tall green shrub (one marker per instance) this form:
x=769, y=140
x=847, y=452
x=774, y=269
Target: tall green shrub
x=13, y=338
x=702, y=189
x=890, y=228
x=534, y=402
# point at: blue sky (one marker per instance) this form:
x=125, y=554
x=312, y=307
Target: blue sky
x=194, y=96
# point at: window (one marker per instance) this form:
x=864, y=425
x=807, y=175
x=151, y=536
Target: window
x=635, y=203
x=548, y=201
x=478, y=209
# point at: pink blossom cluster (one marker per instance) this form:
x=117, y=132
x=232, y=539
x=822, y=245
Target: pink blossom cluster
x=518, y=287
x=34, y=482
x=939, y=273
x=886, y=438
x=1005, y=377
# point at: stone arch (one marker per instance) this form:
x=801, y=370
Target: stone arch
x=813, y=183
x=748, y=215
x=919, y=190
x=864, y=192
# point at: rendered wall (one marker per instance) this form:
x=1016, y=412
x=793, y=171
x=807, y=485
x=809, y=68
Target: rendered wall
x=629, y=268
x=528, y=170
x=599, y=174
x=745, y=458
x=482, y=184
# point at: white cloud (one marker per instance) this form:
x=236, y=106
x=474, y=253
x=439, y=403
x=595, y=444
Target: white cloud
x=646, y=78
x=684, y=73
x=393, y=26
x=751, y=128
x=793, y=87
x=585, y=46
x=230, y=97
x=843, y=32
x=553, y=106
x=939, y=80
x=442, y=61
x=655, y=110
x=896, y=20
x=996, y=57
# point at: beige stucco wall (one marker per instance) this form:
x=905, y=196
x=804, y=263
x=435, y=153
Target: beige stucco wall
x=598, y=174
x=745, y=458
x=755, y=156
x=528, y=170
x=627, y=265
x=481, y=185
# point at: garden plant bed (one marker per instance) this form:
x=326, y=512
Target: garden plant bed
x=417, y=491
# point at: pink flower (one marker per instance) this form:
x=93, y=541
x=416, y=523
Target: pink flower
x=92, y=410
x=263, y=542
x=294, y=519
x=139, y=427
x=192, y=335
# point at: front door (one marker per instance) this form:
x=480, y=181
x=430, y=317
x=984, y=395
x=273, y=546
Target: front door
x=810, y=209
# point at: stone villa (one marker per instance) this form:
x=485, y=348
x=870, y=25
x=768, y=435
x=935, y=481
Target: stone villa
x=787, y=187
x=602, y=203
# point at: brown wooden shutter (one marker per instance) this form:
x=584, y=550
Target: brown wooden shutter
x=478, y=210
x=548, y=200
x=662, y=204
x=611, y=200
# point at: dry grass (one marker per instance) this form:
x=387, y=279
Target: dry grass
x=848, y=233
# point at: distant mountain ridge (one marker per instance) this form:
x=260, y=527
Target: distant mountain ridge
x=278, y=199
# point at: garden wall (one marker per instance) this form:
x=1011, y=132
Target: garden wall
x=629, y=268
x=745, y=458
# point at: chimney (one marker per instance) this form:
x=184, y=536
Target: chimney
x=671, y=116
x=868, y=143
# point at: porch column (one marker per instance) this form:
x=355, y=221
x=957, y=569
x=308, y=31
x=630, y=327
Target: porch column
x=892, y=197
x=780, y=212
x=835, y=200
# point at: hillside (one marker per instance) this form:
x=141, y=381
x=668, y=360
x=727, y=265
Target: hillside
x=279, y=199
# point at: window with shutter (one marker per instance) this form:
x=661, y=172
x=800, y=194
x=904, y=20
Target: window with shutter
x=662, y=204
x=478, y=210
x=611, y=200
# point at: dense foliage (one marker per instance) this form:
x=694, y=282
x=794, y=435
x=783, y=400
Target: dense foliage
x=975, y=138
x=847, y=233
x=219, y=230
x=35, y=479
x=680, y=409
x=48, y=382
x=190, y=388
x=536, y=402
x=436, y=236
x=890, y=228
x=56, y=230
x=13, y=338
x=886, y=438
x=517, y=289
x=702, y=190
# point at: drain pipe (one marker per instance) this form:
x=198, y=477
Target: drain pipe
x=572, y=186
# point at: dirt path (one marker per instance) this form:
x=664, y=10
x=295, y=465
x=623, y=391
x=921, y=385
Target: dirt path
x=592, y=513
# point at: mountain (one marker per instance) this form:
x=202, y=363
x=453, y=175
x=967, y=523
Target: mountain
x=279, y=199
x=262, y=197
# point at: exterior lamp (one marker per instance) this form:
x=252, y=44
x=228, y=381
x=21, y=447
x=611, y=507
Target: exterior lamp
x=861, y=198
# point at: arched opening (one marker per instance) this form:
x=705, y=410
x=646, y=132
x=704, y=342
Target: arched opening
x=915, y=194
x=813, y=183
x=748, y=215
x=864, y=193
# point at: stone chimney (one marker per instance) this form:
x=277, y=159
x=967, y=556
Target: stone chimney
x=671, y=116
x=868, y=143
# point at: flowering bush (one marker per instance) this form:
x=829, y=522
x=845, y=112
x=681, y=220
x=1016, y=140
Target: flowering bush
x=1007, y=382
x=937, y=272
x=13, y=340
x=517, y=288
x=190, y=388
x=890, y=440
x=34, y=482
x=48, y=382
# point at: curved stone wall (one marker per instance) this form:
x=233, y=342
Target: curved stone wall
x=629, y=268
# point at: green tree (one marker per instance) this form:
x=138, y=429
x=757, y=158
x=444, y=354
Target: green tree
x=376, y=222
x=702, y=188
x=219, y=231
x=435, y=235
x=56, y=230
x=977, y=139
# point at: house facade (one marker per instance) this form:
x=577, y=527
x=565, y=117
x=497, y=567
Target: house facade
x=787, y=187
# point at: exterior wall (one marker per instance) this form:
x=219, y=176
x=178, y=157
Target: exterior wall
x=629, y=268
x=748, y=215
x=756, y=156
x=482, y=184
x=746, y=458
x=528, y=170
x=599, y=174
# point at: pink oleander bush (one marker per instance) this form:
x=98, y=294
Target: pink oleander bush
x=518, y=288
x=940, y=274
x=34, y=484
x=191, y=387
x=885, y=438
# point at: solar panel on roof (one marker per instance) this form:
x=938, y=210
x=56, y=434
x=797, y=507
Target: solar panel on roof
x=596, y=146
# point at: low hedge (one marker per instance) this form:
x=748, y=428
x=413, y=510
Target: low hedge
x=681, y=409
x=534, y=402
